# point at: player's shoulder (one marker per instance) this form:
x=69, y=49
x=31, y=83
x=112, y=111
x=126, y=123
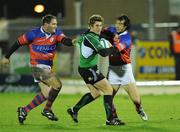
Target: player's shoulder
x=92, y=35
x=125, y=34
x=125, y=37
x=33, y=31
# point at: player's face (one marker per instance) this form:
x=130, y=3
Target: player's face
x=51, y=27
x=96, y=27
x=120, y=26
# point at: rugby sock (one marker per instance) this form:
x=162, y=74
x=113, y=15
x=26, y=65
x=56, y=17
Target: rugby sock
x=113, y=107
x=114, y=111
x=86, y=99
x=138, y=106
x=38, y=99
x=108, y=106
x=53, y=93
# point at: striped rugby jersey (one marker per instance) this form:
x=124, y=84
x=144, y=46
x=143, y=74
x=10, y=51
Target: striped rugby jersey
x=41, y=44
x=124, y=43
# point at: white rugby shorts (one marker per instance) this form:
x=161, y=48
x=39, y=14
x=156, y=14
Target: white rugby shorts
x=121, y=75
x=42, y=66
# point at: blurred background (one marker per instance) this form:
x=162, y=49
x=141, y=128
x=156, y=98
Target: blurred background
x=152, y=21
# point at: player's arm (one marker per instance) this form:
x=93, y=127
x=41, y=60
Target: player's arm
x=124, y=42
x=22, y=40
x=5, y=59
x=99, y=48
x=67, y=41
x=14, y=47
x=108, y=35
x=108, y=51
x=63, y=39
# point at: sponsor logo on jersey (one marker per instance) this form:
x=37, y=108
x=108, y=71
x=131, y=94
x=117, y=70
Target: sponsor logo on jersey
x=44, y=48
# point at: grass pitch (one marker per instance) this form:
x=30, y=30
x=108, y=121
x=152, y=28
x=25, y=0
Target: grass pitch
x=163, y=112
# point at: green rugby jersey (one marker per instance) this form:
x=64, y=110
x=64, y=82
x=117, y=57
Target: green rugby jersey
x=89, y=44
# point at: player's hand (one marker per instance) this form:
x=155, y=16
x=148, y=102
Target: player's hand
x=74, y=41
x=5, y=61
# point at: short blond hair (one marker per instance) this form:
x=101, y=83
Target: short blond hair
x=94, y=18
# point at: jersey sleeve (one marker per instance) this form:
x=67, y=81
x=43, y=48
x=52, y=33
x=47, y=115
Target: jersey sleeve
x=125, y=40
x=95, y=42
x=60, y=35
x=26, y=38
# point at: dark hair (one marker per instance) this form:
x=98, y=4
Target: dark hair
x=47, y=18
x=126, y=20
x=94, y=18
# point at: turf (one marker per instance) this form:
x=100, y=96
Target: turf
x=163, y=112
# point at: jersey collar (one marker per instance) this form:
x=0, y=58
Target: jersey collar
x=45, y=33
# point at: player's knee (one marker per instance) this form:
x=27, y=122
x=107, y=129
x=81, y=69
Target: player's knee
x=54, y=82
x=57, y=84
x=108, y=91
x=95, y=95
x=45, y=92
x=44, y=89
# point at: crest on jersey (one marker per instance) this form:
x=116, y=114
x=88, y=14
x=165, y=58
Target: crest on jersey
x=51, y=39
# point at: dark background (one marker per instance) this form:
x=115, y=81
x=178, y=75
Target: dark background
x=25, y=8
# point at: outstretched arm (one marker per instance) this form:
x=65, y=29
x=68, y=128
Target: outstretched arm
x=14, y=47
x=5, y=59
x=67, y=41
x=108, y=51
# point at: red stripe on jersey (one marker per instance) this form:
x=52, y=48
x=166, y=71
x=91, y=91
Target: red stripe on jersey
x=35, y=55
x=22, y=40
x=60, y=37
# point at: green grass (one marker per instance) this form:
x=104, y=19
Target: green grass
x=163, y=112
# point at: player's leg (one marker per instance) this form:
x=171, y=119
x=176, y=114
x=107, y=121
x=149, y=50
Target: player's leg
x=115, y=90
x=37, y=100
x=56, y=85
x=85, y=99
x=45, y=75
x=93, y=77
x=114, y=80
x=107, y=90
x=133, y=93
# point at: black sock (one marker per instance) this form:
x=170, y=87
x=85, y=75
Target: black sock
x=108, y=106
x=86, y=99
x=138, y=106
x=113, y=107
x=114, y=114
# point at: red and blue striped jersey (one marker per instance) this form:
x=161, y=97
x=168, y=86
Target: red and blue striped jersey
x=124, y=43
x=41, y=44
